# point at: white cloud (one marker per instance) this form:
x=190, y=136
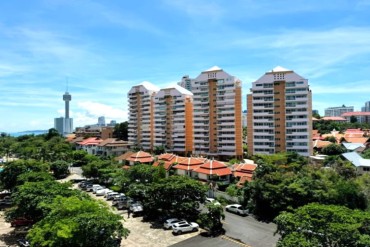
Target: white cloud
x=89, y=111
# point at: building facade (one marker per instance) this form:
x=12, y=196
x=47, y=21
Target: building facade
x=280, y=114
x=217, y=113
x=366, y=108
x=337, y=111
x=141, y=115
x=173, y=120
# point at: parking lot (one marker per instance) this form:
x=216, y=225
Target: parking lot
x=143, y=234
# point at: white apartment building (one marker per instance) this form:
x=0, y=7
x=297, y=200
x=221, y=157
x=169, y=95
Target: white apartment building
x=337, y=111
x=173, y=119
x=280, y=114
x=217, y=113
x=141, y=115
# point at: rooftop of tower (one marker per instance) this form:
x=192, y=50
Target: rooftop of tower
x=280, y=69
x=214, y=68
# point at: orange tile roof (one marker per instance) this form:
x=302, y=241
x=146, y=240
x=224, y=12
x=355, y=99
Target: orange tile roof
x=166, y=164
x=214, y=167
x=166, y=156
x=124, y=156
x=242, y=181
x=191, y=161
x=333, y=119
x=362, y=140
x=355, y=113
x=321, y=144
x=90, y=141
x=141, y=156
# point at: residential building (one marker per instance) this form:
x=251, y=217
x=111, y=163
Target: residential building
x=173, y=120
x=280, y=114
x=217, y=113
x=366, y=108
x=337, y=111
x=113, y=147
x=94, y=131
x=361, y=117
x=362, y=165
x=101, y=121
x=141, y=115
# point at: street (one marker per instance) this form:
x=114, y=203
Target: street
x=250, y=231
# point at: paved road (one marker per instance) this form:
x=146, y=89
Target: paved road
x=208, y=242
x=250, y=231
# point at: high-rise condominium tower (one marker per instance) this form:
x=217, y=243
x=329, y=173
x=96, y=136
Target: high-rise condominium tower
x=173, y=120
x=217, y=113
x=141, y=115
x=280, y=114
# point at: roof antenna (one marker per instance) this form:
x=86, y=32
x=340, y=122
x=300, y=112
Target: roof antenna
x=66, y=84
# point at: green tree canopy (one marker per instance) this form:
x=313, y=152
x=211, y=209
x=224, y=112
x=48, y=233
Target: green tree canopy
x=32, y=198
x=13, y=169
x=77, y=222
x=121, y=131
x=333, y=149
x=323, y=225
x=60, y=168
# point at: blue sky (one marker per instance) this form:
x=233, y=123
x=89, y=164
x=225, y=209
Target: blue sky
x=106, y=47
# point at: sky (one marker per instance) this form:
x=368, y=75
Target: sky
x=103, y=48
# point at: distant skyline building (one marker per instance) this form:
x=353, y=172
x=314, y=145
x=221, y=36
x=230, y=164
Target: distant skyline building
x=280, y=114
x=101, y=121
x=64, y=125
x=366, y=108
x=337, y=111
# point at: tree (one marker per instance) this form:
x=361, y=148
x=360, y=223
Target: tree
x=51, y=133
x=212, y=219
x=330, y=139
x=32, y=198
x=176, y=195
x=323, y=225
x=353, y=119
x=13, y=169
x=60, y=168
x=78, y=222
x=333, y=149
x=159, y=150
x=34, y=177
x=121, y=131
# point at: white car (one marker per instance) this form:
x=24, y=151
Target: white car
x=180, y=228
x=102, y=192
x=211, y=200
x=95, y=189
x=110, y=196
x=236, y=208
x=170, y=222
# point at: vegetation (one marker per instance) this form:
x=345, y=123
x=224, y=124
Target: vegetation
x=333, y=149
x=121, y=131
x=325, y=127
x=212, y=219
x=323, y=225
x=74, y=221
x=284, y=182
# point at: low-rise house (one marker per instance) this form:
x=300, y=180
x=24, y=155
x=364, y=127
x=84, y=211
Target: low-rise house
x=168, y=160
x=244, y=172
x=113, y=147
x=362, y=117
x=317, y=159
x=186, y=165
x=362, y=165
x=122, y=159
x=335, y=119
x=213, y=170
x=140, y=157
x=90, y=145
x=318, y=145
x=354, y=147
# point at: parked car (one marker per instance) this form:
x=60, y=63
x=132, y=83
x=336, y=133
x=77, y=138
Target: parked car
x=136, y=208
x=90, y=188
x=108, y=193
x=125, y=203
x=22, y=242
x=119, y=198
x=21, y=222
x=110, y=196
x=180, y=228
x=212, y=200
x=236, y=208
x=95, y=189
x=102, y=192
x=7, y=201
x=170, y=222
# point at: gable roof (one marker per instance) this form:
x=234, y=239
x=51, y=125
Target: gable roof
x=189, y=163
x=90, y=141
x=141, y=156
x=124, y=156
x=214, y=68
x=356, y=159
x=214, y=167
x=280, y=69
